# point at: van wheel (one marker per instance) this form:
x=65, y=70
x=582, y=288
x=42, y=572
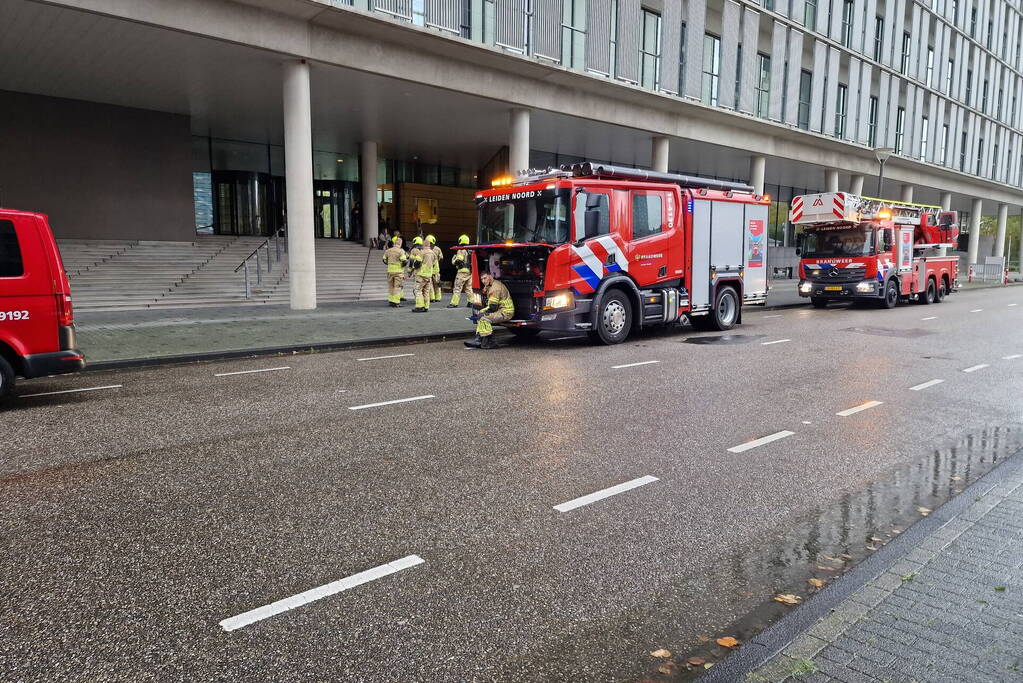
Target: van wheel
x=614, y=318
x=726, y=309
x=929, y=296
x=891, y=295
x=6, y=378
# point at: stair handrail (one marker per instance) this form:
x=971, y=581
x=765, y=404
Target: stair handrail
x=280, y=237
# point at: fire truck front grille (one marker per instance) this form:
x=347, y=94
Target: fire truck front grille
x=526, y=305
x=836, y=275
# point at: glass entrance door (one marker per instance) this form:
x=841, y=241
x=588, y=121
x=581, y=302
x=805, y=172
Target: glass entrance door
x=246, y=203
x=332, y=208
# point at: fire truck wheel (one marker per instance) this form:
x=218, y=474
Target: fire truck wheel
x=6, y=378
x=818, y=302
x=931, y=295
x=614, y=319
x=942, y=291
x=891, y=294
x=726, y=309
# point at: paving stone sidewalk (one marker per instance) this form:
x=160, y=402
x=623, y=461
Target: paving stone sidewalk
x=951, y=609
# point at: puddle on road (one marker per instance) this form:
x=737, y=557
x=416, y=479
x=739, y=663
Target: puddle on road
x=828, y=543
x=905, y=333
x=725, y=339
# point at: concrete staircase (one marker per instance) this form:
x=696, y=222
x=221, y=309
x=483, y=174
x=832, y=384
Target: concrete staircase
x=124, y=275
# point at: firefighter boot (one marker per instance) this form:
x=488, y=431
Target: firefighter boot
x=487, y=342
x=474, y=343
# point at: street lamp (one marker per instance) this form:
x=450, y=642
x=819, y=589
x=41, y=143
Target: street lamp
x=882, y=154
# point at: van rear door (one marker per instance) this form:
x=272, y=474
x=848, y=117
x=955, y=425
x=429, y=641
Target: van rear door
x=28, y=308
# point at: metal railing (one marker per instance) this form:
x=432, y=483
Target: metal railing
x=280, y=246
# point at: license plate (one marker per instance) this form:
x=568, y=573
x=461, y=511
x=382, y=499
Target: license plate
x=832, y=288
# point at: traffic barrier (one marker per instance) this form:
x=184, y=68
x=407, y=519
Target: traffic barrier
x=969, y=276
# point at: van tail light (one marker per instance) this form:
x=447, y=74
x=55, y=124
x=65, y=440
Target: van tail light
x=65, y=313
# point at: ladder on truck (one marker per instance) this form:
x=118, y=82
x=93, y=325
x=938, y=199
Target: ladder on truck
x=842, y=207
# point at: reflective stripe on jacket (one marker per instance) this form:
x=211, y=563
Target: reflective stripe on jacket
x=395, y=258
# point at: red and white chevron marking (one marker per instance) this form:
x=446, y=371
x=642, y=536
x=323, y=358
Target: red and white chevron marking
x=797, y=208
x=839, y=205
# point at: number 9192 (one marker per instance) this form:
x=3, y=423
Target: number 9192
x=13, y=315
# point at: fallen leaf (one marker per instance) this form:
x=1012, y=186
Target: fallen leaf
x=662, y=653
x=848, y=557
x=708, y=665
x=875, y=539
x=817, y=583
x=696, y=661
x=666, y=669
x=923, y=510
x=703, y=639
x=871, y=547
x=957, y=478
x=1000, y=589
x=727, y=641
x=787, y=598
x=957, y=490
x=827, y=569
x=828, y=558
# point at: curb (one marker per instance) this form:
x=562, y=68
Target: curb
x=319, y=347
x=756, y=652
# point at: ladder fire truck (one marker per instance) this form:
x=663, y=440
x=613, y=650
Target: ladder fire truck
x=862, y=248
x=608, y=250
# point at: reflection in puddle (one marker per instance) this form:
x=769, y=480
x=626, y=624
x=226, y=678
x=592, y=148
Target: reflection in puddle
x=825, y=544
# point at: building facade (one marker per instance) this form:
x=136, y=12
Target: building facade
x=154, y=118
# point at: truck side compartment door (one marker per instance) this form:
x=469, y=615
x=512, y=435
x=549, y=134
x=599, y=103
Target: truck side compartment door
x=652, y=219
x=28, y=308
x=700, y=290
x=754, y=281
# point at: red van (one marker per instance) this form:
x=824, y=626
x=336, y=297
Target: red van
x=37, y=330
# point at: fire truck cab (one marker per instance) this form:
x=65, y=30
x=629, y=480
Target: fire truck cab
x=862, y=248
x=608, y=250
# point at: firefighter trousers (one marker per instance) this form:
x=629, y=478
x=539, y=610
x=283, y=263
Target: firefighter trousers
x=463, y=283
x=395, y=281
x=424, y=291
x=485, y=326
x=437, y=296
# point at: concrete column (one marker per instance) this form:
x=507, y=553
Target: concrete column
x=907, y=193
x=974, y=246
x=946, y=201
x=757, y=171
x=518, y=141
x=660, y=154
x=831, y=181
x=298, y=178
x=1003, y=217
x=368, y=181
x=856, y=186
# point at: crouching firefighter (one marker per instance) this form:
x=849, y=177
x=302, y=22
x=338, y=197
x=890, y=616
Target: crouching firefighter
x=499, y=308
x=463, y=277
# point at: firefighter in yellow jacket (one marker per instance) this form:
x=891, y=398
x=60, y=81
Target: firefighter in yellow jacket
x=462, y=262
x=439, y=257
x=499, y=308
x=395, y=258
x=423, y=261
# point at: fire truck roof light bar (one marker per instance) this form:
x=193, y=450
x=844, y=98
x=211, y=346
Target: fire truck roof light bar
x=624, y=173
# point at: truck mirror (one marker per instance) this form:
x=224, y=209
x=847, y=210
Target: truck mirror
x=592, y=222
x=798, y=251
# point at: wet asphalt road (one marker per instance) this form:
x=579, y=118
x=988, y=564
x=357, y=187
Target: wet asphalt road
x=136, y=519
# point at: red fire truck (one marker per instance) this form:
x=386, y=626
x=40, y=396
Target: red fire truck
x=861, y=248
x=608, y=250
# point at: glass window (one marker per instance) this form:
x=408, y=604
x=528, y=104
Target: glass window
x=973, y=22
x=906, y=41
x=711, y=68
x=763, y=87
x=682, y=62
x=962, y=153
x=10, y=251
x=900, y=127
x=872, y=122
x=573, y=34
x=980, y=155
x=948, y=76
x=805, y=88
x=810, y=13
x=983, y=96
x=943, y=152
x=994, y=162
x=930, y=68
x=590, y=203
x=855, y=240
x=923, y=139
x=651, y=50
x=847, y=23
x=647, y=215
x=840, y=107
x=878, y=37
x=969, y=86
x=543, y=218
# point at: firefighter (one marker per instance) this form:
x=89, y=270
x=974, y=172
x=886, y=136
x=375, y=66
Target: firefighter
x=438, y=257
x=395, y=258
x=414, y=253
x=499, y=309
x=422, y=259
x=463, y=277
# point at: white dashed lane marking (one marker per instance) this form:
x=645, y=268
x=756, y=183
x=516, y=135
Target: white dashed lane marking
x=391, y=403
x=974, y=368
x=926, y=385
x=977, y=310
x=306, y=597
x=856, y=409
x=930, y=317
x=1011, y=305
x=397, y=355
x=776, y=341
x=775, y=315
x=604, y=493
x=741, y=448
x=632, y=365
x=1012, y=357
x=72, y=391
x=250, y=372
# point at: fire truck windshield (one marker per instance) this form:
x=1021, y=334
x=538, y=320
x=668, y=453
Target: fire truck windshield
x=848, y=240
x=525, y=216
